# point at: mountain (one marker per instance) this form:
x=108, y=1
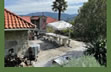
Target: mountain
x=64, y=16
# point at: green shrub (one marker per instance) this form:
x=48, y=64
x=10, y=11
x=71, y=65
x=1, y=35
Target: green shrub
x=98, y=50
x=84, y=61
x=50, y=29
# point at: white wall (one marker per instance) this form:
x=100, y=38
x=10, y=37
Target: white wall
x=16, y=40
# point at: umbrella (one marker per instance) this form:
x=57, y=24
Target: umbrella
x=60, y=25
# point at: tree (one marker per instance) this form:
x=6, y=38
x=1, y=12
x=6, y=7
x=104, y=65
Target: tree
x=90, y=23
x=60, y=6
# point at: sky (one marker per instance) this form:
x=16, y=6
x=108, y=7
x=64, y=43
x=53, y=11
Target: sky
x=22, y=7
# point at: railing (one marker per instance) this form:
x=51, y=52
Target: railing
x=59, y=39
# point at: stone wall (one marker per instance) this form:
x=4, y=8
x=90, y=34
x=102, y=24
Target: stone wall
x=18, y=40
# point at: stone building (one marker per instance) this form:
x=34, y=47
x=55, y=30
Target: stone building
x=40, y=21
x=16, y=33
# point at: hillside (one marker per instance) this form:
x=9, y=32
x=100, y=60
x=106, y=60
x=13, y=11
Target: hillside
x=64, y=16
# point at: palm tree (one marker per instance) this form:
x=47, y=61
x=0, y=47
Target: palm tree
x=60, y=6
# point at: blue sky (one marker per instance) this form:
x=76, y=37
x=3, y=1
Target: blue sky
x=30, y=6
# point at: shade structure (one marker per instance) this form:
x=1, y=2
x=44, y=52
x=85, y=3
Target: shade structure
x=59, y=25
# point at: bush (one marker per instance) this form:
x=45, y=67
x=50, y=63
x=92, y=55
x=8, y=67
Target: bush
x=98, y=50
x=50, y=29
x=84, y=61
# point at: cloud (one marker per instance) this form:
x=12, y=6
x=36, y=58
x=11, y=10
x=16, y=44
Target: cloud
x=29, y=6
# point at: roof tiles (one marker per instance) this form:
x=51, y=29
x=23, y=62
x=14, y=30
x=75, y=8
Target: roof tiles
x=48, y=20
x=27, y=18
x=13, y=21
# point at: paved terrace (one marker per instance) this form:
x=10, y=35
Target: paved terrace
x=50, y=51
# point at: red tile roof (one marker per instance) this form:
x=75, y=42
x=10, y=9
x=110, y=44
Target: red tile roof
x=13, y=21
x=35, y=17
x=27, y=18
x=50, y=20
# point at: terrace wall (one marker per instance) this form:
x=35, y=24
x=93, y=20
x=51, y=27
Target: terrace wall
x=18, y=40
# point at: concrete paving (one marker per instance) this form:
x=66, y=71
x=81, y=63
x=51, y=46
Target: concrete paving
x=51, y=52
